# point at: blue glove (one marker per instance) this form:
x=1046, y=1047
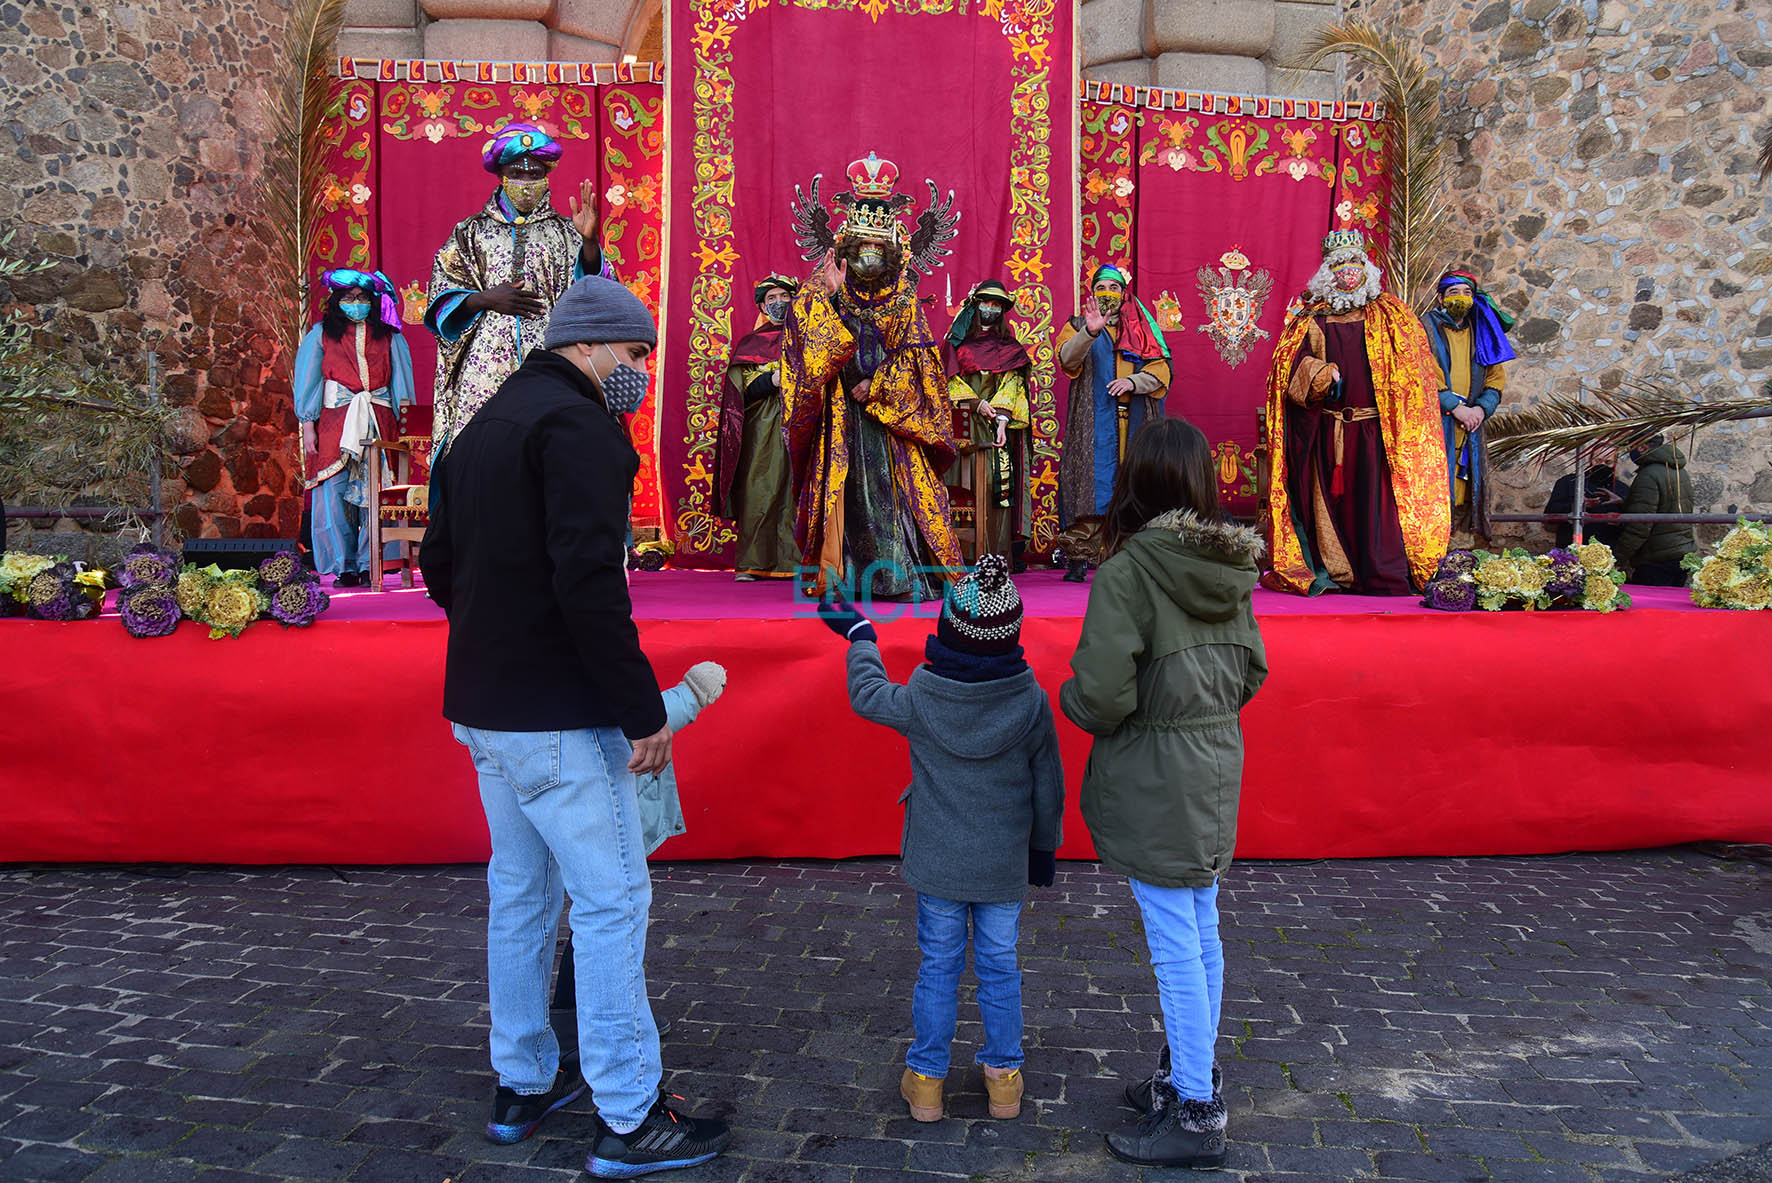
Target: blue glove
x=842, y=618
x=1042, y=867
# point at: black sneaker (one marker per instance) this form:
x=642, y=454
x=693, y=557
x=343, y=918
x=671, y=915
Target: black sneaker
x=665, y=1141
x=515, y=1115
x=1138, y=1093
x=1175, y=1133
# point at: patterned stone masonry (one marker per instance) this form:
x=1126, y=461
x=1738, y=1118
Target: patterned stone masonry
x=1604, y=162
x=134, y=131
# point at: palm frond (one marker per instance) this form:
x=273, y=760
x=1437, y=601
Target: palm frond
x=1415, y=201
x=290, y=181
x=1766, y=154
x=1554, y=428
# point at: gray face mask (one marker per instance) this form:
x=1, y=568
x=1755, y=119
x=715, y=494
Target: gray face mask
x=624, y=388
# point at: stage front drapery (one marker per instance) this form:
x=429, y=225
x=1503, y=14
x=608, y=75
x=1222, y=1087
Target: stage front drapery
x=1218, y=204
x=404, y=167
x=1376, y=735
x=976, y=97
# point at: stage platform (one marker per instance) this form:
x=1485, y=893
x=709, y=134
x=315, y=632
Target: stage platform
x=1385, y=729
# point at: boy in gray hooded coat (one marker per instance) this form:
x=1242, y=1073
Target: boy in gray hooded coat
x=983, y=817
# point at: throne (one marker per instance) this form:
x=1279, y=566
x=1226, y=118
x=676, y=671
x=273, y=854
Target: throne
x=402, y=509
x=971, y=510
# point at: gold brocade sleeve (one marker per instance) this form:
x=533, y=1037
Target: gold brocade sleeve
x=960, y=390
x=1012, y=397
x=1406, y=379
x=814, y=348
x=1290, y=572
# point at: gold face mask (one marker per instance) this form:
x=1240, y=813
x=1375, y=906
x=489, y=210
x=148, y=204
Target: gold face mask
x=1109, y=303
x=524, y=196
x=1458, y=307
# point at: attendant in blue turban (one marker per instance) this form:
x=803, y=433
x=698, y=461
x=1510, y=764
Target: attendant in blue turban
x=501, y=271
x=1468, y=334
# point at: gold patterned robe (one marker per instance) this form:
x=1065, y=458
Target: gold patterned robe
x=906, y=396
x=1405, y=382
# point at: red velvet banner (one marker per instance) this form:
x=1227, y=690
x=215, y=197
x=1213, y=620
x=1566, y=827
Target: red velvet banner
x=976, y=97
x=1219, y=204
x=404, y=168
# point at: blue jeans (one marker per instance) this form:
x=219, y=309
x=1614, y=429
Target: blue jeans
x=935, y=1003
x=1181, y=927
x=564, y=818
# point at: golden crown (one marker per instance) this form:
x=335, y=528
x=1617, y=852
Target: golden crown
x=1343, y=240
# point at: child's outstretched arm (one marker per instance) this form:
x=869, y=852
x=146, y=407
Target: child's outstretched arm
x=697, y=691
x=874, y=696
x=1103, y=688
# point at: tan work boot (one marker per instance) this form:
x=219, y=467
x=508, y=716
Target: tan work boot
x=1003, y=1086
x=922, y=1094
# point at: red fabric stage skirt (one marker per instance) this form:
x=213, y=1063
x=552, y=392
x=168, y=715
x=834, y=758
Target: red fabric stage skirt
x=1383, y=730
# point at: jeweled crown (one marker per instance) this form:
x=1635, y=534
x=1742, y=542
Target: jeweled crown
x=1343, y=240
x=873, y=221
x=873, y=179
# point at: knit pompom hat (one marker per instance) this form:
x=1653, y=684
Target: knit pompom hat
x=982, y=611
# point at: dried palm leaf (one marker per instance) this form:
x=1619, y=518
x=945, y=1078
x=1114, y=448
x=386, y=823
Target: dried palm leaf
x=1554, y=428
x=1415, y=201
x=290, y=182
x=1766, y=155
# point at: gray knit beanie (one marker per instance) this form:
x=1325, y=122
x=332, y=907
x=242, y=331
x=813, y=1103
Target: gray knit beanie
x=596, y=310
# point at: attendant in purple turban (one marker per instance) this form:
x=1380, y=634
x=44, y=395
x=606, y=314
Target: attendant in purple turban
x=501, y=271
x=1468, y=334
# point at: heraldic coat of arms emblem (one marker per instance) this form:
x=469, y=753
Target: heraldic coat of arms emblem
x=1234, y=299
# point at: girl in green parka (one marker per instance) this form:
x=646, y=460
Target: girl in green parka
x=1169, y=654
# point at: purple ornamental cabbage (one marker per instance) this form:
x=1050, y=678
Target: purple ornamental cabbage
x=1456, y=562
x=150, y=610
x=298, y=602
x=1451, y=595
x=146, y=565
x=51, y=594
x=283, y=567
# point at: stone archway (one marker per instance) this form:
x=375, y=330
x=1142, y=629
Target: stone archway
x=504, y=30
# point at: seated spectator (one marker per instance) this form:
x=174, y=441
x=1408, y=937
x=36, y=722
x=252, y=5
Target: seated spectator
x=1605, y=494
x=1651, y=551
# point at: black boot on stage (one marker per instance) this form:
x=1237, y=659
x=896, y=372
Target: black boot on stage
x=1175, y=1133
x=1018, y=557
x=1077, y=572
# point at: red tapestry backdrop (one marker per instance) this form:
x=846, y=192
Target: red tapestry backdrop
x=1219, y=204
x=976, y=95
x=405, y=167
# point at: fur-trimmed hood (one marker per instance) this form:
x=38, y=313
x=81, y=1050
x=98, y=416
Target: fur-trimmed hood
x=1207, y=568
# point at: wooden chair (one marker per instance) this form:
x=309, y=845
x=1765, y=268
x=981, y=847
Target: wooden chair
x=402, y=509
x=971, y=510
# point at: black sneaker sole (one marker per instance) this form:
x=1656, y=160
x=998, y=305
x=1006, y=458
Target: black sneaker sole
x=610, y=1168
x=510, y=1135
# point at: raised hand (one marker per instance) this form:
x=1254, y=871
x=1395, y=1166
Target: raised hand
x=584, y=211
x=832, y=273
x=1093, y=318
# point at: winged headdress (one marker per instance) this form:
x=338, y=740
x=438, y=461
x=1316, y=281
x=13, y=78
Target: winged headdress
x=873, y=210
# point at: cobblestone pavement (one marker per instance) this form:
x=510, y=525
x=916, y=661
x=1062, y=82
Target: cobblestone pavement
x=1589, y=1017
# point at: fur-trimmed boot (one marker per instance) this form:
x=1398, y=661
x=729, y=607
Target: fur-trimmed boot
x=1175, y=1133
x=1138, y=1093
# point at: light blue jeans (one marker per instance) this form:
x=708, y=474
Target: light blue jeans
x=564, y=818
x=935, y=1003
x=1181, y=927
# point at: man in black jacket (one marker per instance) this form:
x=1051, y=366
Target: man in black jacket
x=546, y=685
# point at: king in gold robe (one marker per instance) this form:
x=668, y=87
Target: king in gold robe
x=868, y=429
x=1357, y=500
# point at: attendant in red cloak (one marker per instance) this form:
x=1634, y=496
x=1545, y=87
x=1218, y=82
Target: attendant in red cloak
x=752, y=484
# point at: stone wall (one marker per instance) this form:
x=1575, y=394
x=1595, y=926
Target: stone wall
x=504, y=30
x=1604, y=169
x=132, y=131
x=1230, y=46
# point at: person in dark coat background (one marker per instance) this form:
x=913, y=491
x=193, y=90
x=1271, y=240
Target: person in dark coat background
x=1651, y=551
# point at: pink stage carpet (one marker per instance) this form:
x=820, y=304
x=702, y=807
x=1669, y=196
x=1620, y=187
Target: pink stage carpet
x=1384, y=729
x=714, y=595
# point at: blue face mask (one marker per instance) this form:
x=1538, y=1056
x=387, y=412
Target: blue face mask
x=357, y=310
